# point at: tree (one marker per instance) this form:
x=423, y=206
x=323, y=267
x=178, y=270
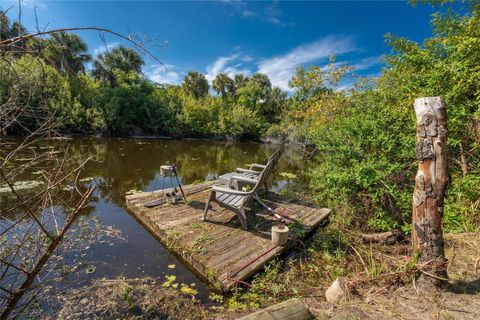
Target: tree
x=195, y=84
x=275, y=104
x=10, y=30
x=313, y=81
x=223, y=85
x=240, y=80
x=67, y=53
x=263, y=82
x=120, y=58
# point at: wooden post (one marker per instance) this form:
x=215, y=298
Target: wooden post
x=431, y=183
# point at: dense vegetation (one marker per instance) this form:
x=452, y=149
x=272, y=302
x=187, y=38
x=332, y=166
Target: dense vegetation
x=363, y=137
x=116, y=98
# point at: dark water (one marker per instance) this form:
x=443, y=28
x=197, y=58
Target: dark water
x=121, y=165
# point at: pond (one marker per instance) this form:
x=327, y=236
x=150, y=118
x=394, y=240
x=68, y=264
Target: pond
x=119, y=166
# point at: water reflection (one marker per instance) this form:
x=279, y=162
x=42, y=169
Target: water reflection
x=121, y=165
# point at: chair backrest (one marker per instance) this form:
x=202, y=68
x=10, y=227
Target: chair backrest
x=275, y=156
x=263, y=176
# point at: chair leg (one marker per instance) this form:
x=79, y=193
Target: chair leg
x=266, y=188
x=210, y=198
x=242, y=217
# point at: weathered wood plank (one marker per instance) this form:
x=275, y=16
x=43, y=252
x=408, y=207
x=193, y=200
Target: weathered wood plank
x=219, y=250
x=289, y=309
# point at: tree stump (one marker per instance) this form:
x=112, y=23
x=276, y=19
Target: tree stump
x=431, y=183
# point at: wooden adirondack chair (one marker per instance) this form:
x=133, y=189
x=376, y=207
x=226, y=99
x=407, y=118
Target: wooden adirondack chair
x=253, y=172
x=238, y=200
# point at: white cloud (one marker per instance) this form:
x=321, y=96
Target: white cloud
x=272, y=14
x=230, y=65
x=268, y=13
x=248, y=13
x=163, y=73
x=368, y=62
x=104, y=48
x=280, y=69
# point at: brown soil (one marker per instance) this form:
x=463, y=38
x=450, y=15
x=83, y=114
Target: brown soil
x=147, y=299
x=459, y=300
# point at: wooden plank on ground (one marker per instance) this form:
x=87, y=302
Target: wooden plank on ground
x=289, y=309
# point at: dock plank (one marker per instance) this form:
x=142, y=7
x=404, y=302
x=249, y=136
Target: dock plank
x=218, y=249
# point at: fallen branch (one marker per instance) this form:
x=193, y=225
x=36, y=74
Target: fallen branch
x=389, y=237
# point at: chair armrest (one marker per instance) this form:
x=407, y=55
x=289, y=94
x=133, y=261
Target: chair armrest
x=244, y=179
x=229, y=191
x=240, y=170
x=256, y=165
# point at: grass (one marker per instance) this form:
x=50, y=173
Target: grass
x=380, y=279
x=373, y=274
x=202, y=239
x=131, y=299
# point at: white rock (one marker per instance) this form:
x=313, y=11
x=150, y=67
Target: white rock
x=336, y=292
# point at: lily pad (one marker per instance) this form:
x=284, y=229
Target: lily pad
x=185, y=289
x=20, y=185
x=169, y=282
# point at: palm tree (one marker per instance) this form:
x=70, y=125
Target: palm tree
x=263, y=82
x=195, y=84
x=223, y=85
x=240, y=80
x=275, y=104
x=10, y=30
x=120, y=58
x=67, y=52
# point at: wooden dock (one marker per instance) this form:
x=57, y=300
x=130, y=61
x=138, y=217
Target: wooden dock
x=218, y=249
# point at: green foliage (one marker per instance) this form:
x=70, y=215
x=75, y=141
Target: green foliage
x=128, y=105
x=223, y=85
x=365, y=138
x=106, y=65
x=66, y=52
x=243, y=123
x=195, y=84
x=462, y=206
x=115, y=98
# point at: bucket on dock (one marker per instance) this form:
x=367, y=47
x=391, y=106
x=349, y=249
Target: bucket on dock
x=167, y=171
x=280, y=235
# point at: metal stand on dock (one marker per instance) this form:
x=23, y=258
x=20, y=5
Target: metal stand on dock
x=165, y=172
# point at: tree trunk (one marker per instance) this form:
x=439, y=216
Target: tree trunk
x=431, y=183
x=463, y=162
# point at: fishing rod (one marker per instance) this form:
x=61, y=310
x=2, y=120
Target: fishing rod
x=277, y=217
x=174, y=169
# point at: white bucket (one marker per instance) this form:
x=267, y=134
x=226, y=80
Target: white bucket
x=166, y=171
x=280, y=236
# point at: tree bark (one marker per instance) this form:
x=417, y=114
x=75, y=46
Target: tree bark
x=389, y=237
x=463, y=162
x=431, y=183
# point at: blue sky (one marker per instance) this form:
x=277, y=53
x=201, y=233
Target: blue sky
x=240, y=37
